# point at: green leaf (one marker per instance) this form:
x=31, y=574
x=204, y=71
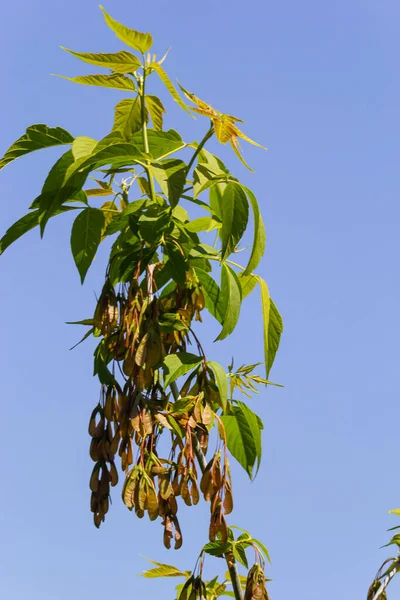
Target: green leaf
x=239, y=552
x=161, y=143
x=85, y=238
x=128, y=117
x=116, y=155
x=163, y=570
x=203, y=224
x=178, y=262
x=217, y=548
x=169, y=85
x=170, y=175
x=235, y=213
x=153, y=223
x=22, y=226
x=117, y=81
x=259, y=241
x=247, y=283
x=56, y=190
x=135, y=39
x=176, y=365
x=83, y=322
x=213, y=295
x=101, y=359
x=231, y=299
x=120, y=62
x=221, y=380
x=36, y=137
x=263, y=549
x=273, y=326
x=156, y=110
x=121, y=220
x=83, y=146
x=206, y=176
x=243, y=434
x=215, y=197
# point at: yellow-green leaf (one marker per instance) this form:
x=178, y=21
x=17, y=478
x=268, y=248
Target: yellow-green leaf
x=231, y=299
x=176, y=365
x=273, y=326
x=83, y=146
x=36, y=137
x=235, y=213
x=156, y=110
x=135, y=39
x=243, y=434
x=247, y=283
x=163, y=570
x=221, y=380
x=259, y=240
x=203, y=224
x=117, y=81
x=120, y=62
x=169, y=85
x=128, y=117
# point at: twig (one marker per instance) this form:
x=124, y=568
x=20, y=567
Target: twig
x=386, y=582
x=230, y=559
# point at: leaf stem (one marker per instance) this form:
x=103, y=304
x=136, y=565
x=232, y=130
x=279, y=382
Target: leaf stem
x=236, y=265
x=199, y=148
x=386, y=582
x=230, y=559
x=142, y=94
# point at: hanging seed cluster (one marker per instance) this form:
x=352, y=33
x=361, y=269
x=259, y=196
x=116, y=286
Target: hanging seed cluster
x=216, y=486
x=137, y=330
x=255, y=584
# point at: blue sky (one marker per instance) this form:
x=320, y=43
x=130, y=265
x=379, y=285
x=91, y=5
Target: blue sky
x=318, y=83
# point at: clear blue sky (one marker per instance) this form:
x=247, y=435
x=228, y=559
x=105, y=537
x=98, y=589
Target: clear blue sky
x=318, y=83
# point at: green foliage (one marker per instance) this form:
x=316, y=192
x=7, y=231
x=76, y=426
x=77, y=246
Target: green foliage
x=119, y=62
x=36, y=138
x=85, y=238
x=161, y=276
x=176, y=365
x=243, y=436
x=116, y=81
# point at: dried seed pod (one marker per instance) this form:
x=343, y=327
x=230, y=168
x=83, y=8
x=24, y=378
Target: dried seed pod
x=194, y=491
x=147, y=422
x=152, y=501
x=167, y=532
x=185, y=491
x=228, y=499
x=128, y=490
x=93, y=431
x=164, y=486
x=95, y=450
x=115, y=442
x=173, y=505
x=94, y=479
x=113, y=474
x=178, y=533
x=206, y=480
x=255, y=584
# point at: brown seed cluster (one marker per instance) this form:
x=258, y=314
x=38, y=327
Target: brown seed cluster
x=216, y=487
x=137, y=331
x=255, y=584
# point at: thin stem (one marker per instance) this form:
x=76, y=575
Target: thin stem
x=230, y=559
x=200, y=147
x=386, y=582
x=236, y=265
x=142, y=93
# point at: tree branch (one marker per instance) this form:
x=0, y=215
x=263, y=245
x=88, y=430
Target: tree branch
x=230, y=559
